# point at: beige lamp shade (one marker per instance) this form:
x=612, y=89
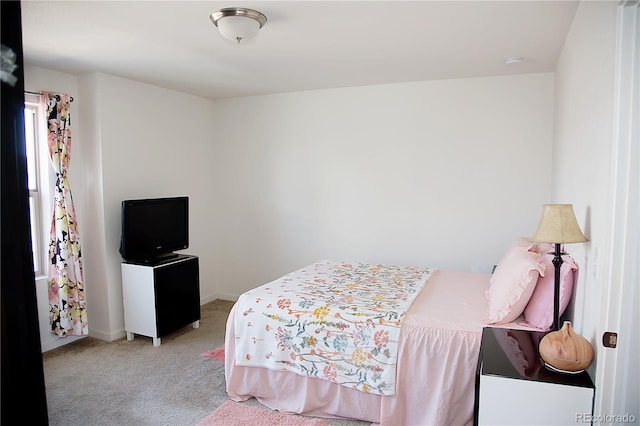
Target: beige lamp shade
x=558, y=225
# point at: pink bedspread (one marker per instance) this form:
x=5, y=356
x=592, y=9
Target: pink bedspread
x=437, y=358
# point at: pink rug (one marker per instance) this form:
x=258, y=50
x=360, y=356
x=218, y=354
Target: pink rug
x=217, y=354
x=238, y=414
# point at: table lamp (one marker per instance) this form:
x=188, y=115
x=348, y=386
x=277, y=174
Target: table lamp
x=558, y=225
x=562, y=349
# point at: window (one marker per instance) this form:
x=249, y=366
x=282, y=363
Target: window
x=38, y=178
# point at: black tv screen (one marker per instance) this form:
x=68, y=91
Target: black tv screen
x=154, y=228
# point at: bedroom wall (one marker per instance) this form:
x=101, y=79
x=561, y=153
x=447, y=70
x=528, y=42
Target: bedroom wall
x=152, y=142
x=443, y=174
x=131, y=140
x=584, y=172
x=582, y=152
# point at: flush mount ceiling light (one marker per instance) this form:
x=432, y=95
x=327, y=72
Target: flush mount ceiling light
x=237, y=23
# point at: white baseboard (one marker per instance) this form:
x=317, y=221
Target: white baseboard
x=220, y=296
x=109, y=337
x=120, y=334
x=54, y=343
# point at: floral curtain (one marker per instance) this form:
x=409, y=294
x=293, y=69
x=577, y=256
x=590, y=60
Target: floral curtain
x=67, y=306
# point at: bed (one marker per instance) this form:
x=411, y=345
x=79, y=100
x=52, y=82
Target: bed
x=433, y=363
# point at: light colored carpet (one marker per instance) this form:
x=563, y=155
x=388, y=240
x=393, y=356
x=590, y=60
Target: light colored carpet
x=92, y=382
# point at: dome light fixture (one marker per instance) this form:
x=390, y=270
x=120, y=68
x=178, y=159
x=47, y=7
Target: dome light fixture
x=237, y=23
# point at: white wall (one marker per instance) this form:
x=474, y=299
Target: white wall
x=443, y=174
x=584, y=153
x=150, y=142
x=131, y=140
x=94, y=249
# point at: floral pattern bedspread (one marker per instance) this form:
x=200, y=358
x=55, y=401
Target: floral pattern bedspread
x=331, y=320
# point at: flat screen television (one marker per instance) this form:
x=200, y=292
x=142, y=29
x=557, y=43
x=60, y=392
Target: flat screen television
x=152, y=229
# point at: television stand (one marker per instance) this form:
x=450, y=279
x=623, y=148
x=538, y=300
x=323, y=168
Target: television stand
x=160, y=298
x=156, y=260
x=166, y=256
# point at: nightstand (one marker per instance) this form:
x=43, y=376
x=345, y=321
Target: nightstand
x=513, y=387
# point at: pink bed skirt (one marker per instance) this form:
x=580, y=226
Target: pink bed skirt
x=437, y=359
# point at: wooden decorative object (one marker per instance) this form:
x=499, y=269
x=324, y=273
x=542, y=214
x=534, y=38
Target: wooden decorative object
x=565, y=351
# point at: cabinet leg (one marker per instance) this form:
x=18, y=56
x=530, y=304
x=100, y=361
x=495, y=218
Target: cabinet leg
x=196, y=324
x=129, y=336
x=156, y=341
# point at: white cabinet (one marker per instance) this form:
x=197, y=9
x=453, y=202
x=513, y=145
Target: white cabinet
x=160, y=298
x=513, y=387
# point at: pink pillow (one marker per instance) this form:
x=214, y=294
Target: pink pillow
x=524, y=242
x=542, y=248
x=512, y=284
x=521, y=349
x=539, y=311
x=545, y=248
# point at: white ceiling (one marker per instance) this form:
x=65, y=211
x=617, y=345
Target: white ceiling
x=304, y=45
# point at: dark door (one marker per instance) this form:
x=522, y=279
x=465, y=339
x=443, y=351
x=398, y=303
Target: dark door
x=23, y=389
